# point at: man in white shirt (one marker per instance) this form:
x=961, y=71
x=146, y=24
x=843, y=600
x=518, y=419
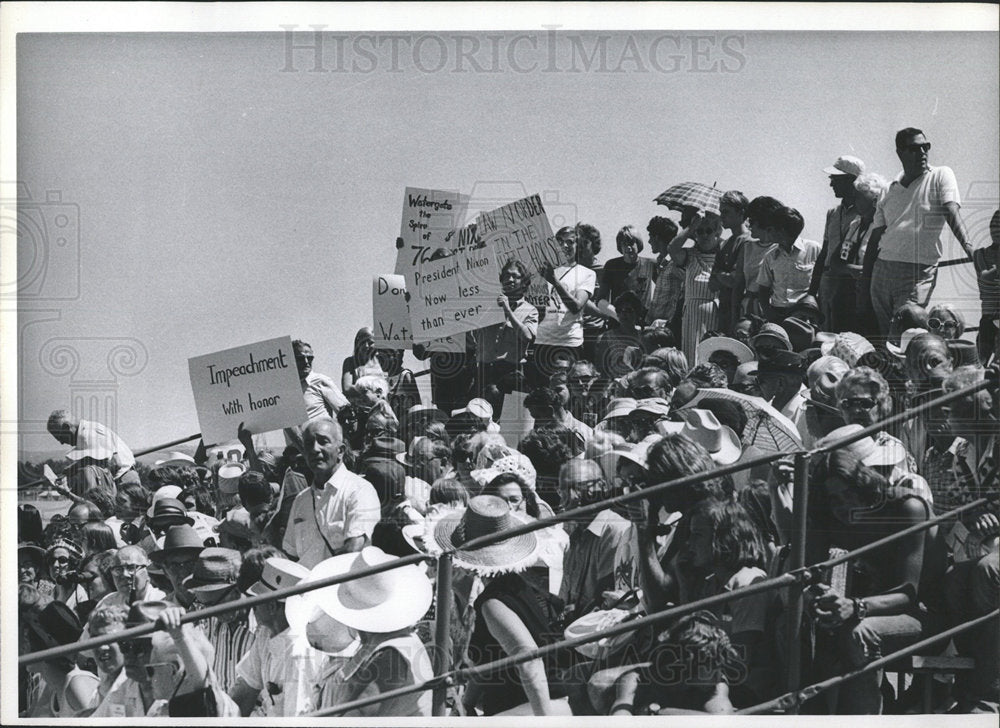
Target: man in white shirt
x=560, y=333
x=94, y=441
x=786, y=269
x=321, y=394
x=905, y=245
x=338, y=512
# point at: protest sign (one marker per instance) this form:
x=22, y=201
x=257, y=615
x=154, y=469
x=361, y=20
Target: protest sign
x=430, y=220
x=521, y=230
x=454, y=294
x=391, y=313
x=257, y=384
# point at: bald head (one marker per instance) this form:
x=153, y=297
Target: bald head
x=578, y=471
x=926, y=353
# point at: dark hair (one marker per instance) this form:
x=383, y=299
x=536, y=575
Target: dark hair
x=567, y=233
x=521, y=268
x=97, y=536
x=590, y=235
x=254, y=489
x=736, y=540
x=657, y=338
x=547, y=448
x=727, y=412
x=543, y=397
x=663, y=228
x=904, y=134
x=102, y=500
x=204, y=498
x=298, y=345
x=736, y=200
x=448, y=491
x=708, y=375
x=29, y=524
x=436, y=431
x=676, y=456
x=465, y=423
x=530, y=498
x=756, y=500
x=761, y=211
x=788, y=221
x=626, y=298
x=182, y=475
x=628, y=234
x=648, y=382
x=846, y=466
x=462, y=450
x=706, y=656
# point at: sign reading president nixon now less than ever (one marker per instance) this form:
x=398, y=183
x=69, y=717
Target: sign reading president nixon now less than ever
x=257, y=384
x=453, y=294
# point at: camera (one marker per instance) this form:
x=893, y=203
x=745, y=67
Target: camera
x=48, y=245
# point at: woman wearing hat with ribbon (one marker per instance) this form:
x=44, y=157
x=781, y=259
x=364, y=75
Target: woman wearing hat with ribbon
x=61, y=559
x=382, y=611
x=68, y=691
x=512, y=615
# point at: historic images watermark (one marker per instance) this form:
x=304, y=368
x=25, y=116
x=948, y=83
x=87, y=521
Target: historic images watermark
x=316, y=49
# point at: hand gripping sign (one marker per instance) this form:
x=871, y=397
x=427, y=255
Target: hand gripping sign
x=257, y=384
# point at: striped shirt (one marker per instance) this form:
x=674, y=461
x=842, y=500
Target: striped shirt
x=231, y=641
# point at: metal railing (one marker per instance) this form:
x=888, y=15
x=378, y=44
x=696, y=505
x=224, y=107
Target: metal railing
x=798, y=575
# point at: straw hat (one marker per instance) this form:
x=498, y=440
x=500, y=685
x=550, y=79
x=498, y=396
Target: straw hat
x=216, y=570
x=722, y=443
x=485, y=515
x=620, y=407
x=723, y=343
x=278, y=573
x=774, y=334
x=383, y=602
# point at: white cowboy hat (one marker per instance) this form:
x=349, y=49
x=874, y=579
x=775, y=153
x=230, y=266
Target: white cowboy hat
x=384, y=602
x=174, y=459
x=723, y=343
x=904, y=342
x=722, y=443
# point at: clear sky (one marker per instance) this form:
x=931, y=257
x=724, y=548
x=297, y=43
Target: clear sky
x=225, y=194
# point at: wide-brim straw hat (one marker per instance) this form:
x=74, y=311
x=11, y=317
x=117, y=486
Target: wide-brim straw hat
x=485, y=515
x=709, y=346
x=384, y=602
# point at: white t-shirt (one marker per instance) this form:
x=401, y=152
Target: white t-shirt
x=914, y=217
x=560, y=327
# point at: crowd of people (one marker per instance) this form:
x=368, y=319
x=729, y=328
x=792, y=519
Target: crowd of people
x=739, y=339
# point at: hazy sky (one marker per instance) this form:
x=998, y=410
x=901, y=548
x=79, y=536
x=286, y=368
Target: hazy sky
x=214, y=193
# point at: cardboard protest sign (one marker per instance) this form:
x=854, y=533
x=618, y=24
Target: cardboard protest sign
x=391, y=313
x=521, y=230
x=257, y=384
x=430, y=219
x=454, y=294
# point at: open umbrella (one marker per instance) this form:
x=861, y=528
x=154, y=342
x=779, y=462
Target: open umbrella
x=767, y=429
x=691, y=194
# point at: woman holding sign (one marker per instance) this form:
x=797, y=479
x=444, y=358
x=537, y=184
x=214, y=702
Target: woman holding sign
x=560, y=333
x=364, y=360
x=501, y=348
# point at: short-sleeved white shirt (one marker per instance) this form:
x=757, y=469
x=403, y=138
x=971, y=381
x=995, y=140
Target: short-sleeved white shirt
x=914, y=217
x=788, y=275
x=285, y=668
x=321, y=521
x=561, y=327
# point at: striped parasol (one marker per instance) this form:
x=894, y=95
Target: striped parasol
x=766, y=428
x=691, y=194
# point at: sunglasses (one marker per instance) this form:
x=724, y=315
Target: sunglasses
x=136, y=647
x=299, y=357
x=60, y=559
x=860, y=403
x=934, y=324
x=925, y=147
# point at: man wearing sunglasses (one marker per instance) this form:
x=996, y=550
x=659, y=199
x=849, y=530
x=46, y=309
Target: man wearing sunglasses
x=905, y=246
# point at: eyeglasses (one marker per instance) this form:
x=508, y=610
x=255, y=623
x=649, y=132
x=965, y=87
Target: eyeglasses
x=860, y=403
x=934, y=324
x=913, y=148
x=136, y=647
x=123, y=569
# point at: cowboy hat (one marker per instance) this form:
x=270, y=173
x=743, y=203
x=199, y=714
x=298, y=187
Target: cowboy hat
x=899, y=351
x=215, y=570
x=723, y=343
x=174, y=459
x=485, y=515
x=180, y=540
x=384, y=602
x=620, y=407
x=722, y=443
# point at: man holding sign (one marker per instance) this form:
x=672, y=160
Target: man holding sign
x=570, y=286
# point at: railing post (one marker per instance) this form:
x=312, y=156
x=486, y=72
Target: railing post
x=442, y=632
x=800, y=506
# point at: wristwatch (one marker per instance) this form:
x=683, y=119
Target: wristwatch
x=860, y=608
